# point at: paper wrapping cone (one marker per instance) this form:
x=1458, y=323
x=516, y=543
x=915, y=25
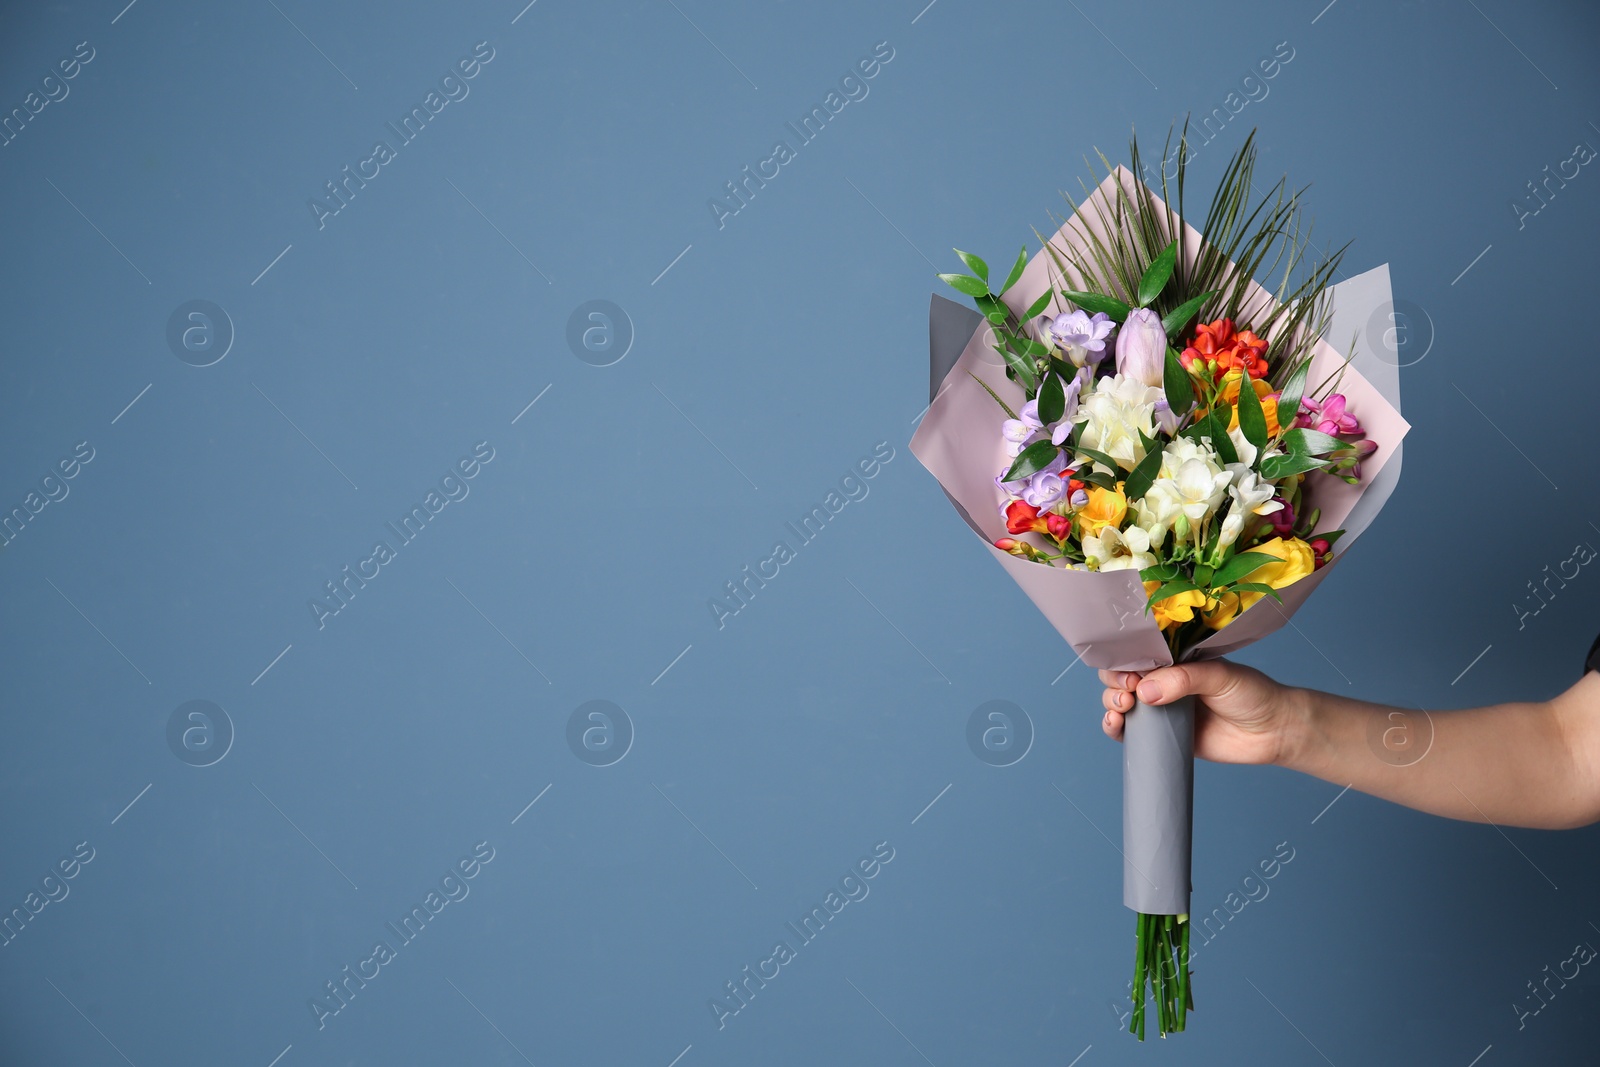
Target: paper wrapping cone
x=1103, y=615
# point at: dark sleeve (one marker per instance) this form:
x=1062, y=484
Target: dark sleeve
x=1593, y=662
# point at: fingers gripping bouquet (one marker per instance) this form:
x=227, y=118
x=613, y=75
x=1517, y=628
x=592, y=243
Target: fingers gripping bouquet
x=1168, y=458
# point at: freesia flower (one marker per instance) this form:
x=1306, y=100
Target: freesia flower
x=1112, y=549
x=1142, y=347
x=1293, y=560
x=1250, y=493
x=1263, y=388
x=1166, y=418
x=1101, y=508
x=1218, y=349
x=1191, y=483
x=1023, y=517
x=1328, y=417
x=1073, y=393
x=1175, y=609
x=1114, y=414
x=1082, y=337
x=1044, y=489
x=1283, y=518
x=1016, y=434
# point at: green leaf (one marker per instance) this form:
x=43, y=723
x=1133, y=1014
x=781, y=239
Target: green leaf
x=993, y=309
x=1156, y=276
x=1252, y=420
x=964, y=284
x=1052, y=400
x=1161, y=572
x=975, y=265
x=1275, y=468
x=1258, y=587
x=1036, y=457
x=1179, y=317
x=1221, y=443
x=1093, y=302
x=1028, y=346
x=1172, y=588
x=1312, y=442
x=1098, y=478
x=1179, y=389
x=1099, y=457
x=1038, y=306
x=1016, y=271
x=1020, y=368
x=1202, y=575
x=1293, y=389
x=1143, y=475
x=1240, y=565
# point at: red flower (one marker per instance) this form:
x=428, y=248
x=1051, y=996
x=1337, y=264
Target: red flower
x=1023, y=517
x=1059, y=526
x=1321, y=552
x=1218, y=349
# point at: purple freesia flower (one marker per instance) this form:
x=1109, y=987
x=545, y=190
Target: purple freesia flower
x=1165, y=419
x=1083, y=336
x=1044, y=489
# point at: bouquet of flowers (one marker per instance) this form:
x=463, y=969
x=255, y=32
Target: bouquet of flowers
x=1167, y=457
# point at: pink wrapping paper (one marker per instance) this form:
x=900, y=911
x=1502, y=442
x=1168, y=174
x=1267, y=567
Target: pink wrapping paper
x=1103, y=615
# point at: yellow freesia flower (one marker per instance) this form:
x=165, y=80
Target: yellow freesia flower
x=1269, y=404
x=1172, y=610
x=1105, y=507
x=1294, y=560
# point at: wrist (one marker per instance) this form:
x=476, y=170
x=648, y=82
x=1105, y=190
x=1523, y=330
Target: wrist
x=1301, y=724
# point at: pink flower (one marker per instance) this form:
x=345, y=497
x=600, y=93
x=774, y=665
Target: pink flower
x=1328, y=417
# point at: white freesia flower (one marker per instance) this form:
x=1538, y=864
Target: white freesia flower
x=1232, y=527
x=1250, y=493
x=1114, y=550
x=1114, y=415
x=1191, y=483
x=1242, y=446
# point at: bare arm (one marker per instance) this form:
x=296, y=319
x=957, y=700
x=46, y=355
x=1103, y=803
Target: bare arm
x=1524, y=764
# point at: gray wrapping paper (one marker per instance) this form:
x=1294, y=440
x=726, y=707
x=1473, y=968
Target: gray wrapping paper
x=1158, y=806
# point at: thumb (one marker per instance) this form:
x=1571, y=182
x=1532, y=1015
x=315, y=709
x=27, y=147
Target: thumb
x=1206, y=678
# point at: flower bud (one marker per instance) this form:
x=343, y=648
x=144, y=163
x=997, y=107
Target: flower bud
x=1142, y=347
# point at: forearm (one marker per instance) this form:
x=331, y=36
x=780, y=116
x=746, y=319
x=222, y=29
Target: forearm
x=1511, y=764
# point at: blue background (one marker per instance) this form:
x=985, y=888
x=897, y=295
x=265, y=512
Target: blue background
x=768, y=355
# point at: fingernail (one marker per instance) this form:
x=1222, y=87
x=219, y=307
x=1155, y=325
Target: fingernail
x=1149, y=692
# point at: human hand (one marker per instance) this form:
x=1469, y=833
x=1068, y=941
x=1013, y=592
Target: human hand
x=1241, y=715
